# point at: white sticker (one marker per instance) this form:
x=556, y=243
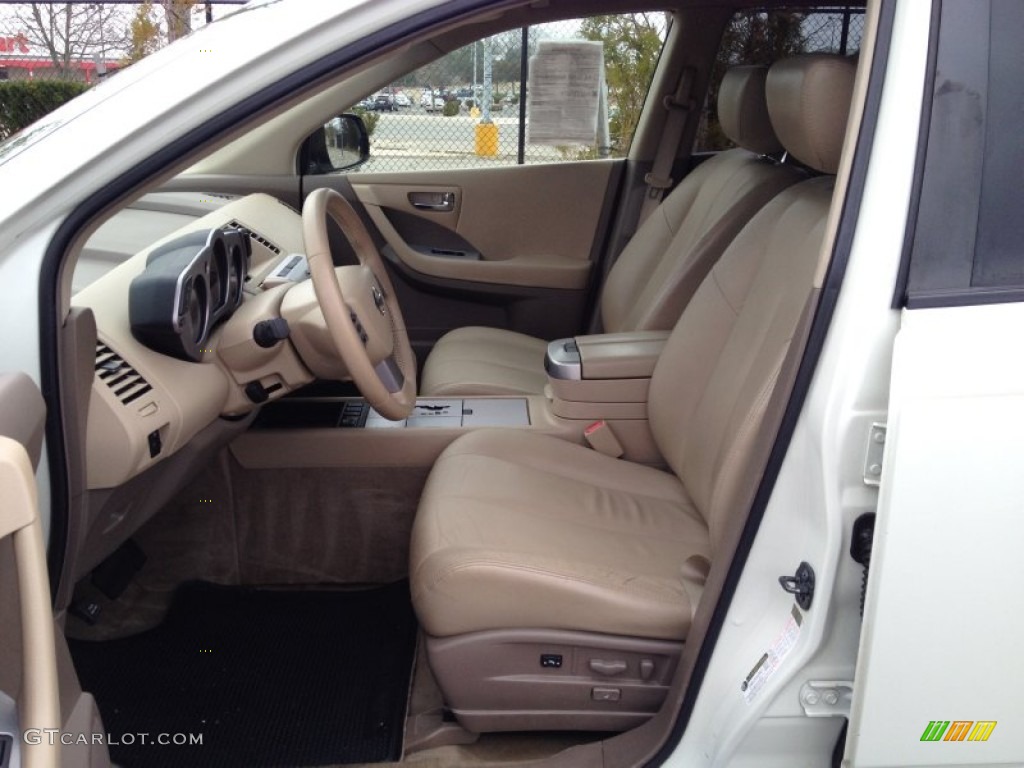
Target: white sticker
x=772, y=659
x=563, y=92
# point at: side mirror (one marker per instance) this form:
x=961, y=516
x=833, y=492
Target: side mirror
x=342, y=144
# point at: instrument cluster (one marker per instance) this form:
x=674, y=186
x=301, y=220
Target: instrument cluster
x=188, y=286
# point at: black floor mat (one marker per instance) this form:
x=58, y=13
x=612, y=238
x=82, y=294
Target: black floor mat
x=268, y=677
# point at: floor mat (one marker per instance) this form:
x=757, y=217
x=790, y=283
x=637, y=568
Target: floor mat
x=267, y=677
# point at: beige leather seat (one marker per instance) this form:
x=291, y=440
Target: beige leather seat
x=555, y=584
x=659, y=269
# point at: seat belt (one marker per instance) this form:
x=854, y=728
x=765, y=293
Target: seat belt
x=678, y=106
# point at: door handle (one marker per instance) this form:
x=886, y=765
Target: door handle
x=440, y=202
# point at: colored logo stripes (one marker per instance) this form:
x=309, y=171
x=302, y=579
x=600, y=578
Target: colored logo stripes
x=958, y=730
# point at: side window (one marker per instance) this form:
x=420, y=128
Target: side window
x=471, y=108
x=966, y=242
x=759, y=37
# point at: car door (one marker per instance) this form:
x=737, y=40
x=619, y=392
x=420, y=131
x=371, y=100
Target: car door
x=484, y=219
x=29, y=702
x=942, y=622
x=507, y=247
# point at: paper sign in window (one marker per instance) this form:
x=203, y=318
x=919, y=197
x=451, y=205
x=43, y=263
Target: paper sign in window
x=564, y=91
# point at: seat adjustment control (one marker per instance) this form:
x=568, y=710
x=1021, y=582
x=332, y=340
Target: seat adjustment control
x=551, y=660
x=607, y=667
x=605, y=694
x=646, y=669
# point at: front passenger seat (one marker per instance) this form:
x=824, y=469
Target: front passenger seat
x=555, y=584
x=661, y=266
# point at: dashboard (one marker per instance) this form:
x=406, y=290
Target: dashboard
x=175, y=323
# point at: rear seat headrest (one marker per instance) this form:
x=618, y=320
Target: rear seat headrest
x=743, y=110
x=809, y=101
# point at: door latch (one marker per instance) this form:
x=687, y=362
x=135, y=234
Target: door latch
x=442, y=202
x=801, y=585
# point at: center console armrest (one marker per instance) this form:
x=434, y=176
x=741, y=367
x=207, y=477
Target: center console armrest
x=607, y=377
x=620, y=355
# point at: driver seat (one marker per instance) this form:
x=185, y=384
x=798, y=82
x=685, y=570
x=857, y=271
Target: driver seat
x=556, y=585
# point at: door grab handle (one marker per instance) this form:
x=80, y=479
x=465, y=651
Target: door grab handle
x=441, y=202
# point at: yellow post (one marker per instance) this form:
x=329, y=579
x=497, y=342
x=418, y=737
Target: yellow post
x=486, y=139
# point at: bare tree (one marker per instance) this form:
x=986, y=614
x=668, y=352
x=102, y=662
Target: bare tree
x=178, y=14
x=72, y=31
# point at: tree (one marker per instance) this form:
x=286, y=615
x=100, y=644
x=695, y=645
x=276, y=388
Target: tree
x=178, y=15
x=143, y=33
x=632, y=43
x=72, y=31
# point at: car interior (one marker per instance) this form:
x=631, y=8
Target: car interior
x=441, y=466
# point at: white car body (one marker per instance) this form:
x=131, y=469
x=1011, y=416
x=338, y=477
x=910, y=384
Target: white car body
x=947, y=381
x=431, y=103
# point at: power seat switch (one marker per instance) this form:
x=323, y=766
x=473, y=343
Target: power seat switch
x=551, y=660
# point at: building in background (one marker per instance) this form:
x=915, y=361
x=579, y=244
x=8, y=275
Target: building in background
x=20, y=59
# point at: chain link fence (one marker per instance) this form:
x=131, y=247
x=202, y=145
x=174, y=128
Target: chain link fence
x=764, y=37
x=434, y=117
x=467, y=109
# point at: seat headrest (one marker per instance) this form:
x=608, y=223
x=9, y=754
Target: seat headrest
x=809, y=101
x=743, y=110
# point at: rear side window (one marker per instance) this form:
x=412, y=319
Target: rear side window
x=763, y=37
x=967, y=243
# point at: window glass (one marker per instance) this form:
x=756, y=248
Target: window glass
x=464, y=109
x=758, y=37
x=968, y=234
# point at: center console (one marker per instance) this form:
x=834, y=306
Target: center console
x=595, y=383
x=606, y=378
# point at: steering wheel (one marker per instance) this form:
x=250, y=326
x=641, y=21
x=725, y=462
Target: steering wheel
x=363, y=317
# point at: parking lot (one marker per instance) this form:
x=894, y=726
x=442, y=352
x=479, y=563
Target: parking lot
x=413, y=138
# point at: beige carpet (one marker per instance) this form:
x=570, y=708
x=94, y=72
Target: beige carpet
x=346, y=526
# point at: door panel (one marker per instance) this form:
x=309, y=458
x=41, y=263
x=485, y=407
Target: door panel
x=942, y=625
x=29, y=699
x=515, y=251
x=532, y=225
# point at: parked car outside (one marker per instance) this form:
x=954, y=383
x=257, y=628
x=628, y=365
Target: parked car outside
x=384, y=102
x=430, y=102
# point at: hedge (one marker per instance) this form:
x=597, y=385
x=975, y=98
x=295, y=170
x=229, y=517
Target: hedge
x=370, y=119
x=22, y=102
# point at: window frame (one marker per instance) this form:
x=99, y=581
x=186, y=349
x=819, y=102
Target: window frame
x=927, y=278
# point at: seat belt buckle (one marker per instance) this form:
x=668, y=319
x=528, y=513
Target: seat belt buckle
x=600, y=437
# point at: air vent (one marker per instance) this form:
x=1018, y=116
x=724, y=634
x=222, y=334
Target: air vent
x=256, y=237
x=124, y=381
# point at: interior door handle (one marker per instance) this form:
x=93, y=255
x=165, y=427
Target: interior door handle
x=441, y=202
